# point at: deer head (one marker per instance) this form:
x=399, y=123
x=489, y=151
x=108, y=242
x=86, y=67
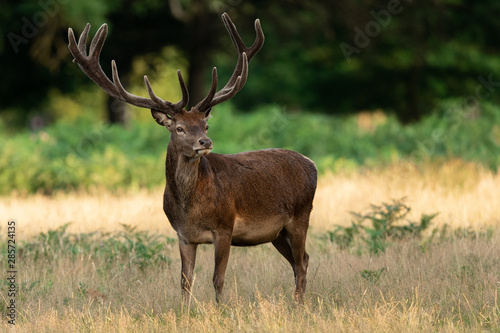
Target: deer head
x=188, y=128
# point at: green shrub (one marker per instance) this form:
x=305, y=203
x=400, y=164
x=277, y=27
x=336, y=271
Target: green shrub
x=128, y=247
x=372, y=232
x=81, y=154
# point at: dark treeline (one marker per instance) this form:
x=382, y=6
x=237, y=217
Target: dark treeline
x=323, y=56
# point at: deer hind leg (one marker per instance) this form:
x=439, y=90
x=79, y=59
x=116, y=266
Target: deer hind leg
x=188, y=258
x=296, y=234
x=282, y=244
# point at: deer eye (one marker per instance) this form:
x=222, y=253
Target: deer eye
x=180, y=130
x=206, y=128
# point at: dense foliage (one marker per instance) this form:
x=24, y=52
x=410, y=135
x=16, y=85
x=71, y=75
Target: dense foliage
x=81, y=154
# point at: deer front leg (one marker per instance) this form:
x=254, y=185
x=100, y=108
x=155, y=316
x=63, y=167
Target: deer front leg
x=188, y=258
x=222, y=249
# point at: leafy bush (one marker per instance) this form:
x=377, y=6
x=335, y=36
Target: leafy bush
x=128, y=247
x=386, y=222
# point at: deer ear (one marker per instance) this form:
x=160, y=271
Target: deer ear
x=207, y=113
x=161, y=118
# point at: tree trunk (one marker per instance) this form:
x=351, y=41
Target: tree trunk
x=197, y=72
x=203, y=38
x=413, y=112
x=117, y=112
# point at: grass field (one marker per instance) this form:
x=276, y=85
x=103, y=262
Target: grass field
x=95, y=275
x=462, y=193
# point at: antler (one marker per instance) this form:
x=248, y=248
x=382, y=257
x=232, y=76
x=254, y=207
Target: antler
x=240, y=74
x=89, y=64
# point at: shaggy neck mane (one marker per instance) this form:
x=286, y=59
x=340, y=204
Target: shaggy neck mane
x=182, y=175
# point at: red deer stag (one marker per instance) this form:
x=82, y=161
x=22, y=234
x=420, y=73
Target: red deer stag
x=242, y=199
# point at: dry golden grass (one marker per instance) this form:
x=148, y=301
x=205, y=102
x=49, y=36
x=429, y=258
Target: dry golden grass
x=463, y=194
x=87, y=211
x=448, y=286
x=451, y=287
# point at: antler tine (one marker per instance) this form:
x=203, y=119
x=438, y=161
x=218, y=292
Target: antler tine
x=238, y=42
x=229, y=92
x=98, y=42
x=240, y=73
x=82, y=41
x=259, y=40
x=160, y=102
x=185, y=94
x=74, y=47
x=126, y=96
x=89, y=64
x=240, y=45
x=206, y=101
x=92, y=69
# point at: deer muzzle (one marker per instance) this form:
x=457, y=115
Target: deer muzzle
x=204, y=146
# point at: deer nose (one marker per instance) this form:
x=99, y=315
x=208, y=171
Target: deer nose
x=206, y=143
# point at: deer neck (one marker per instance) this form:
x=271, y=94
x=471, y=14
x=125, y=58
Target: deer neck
x=182, y=175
